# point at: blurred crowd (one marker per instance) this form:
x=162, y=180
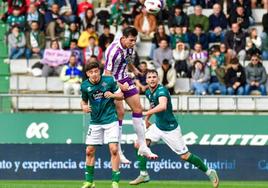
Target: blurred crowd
x=211, y=51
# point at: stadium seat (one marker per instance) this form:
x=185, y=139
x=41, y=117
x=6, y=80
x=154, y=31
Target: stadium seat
x=182, y=85
x=75, y=103
x=54, y=84
x=245, y=103
x=262, y=104
x=24, y=82
x=258, y=27
x=24, y=103
x=18, y=66
x=59, y=103
x=41, y=103
x=37, y=84
x=207, y=12
x=226, y=103
x=265, y=64
x=209, y=103
x=144, y=48
x=194, y=104
x=175, y=103
x=257, y=14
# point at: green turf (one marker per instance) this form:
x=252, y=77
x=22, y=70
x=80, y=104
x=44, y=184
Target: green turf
x=124, y=184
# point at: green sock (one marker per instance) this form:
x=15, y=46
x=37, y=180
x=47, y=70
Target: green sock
x=197, y=162
x=115, y=176
x=142, y=162
x=89, y=173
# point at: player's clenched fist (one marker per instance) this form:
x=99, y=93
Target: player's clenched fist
x=108, y=94
x=86, y=108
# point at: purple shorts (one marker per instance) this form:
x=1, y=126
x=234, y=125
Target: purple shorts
x=132, y=90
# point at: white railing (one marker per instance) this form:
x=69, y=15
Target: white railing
x=180, y=103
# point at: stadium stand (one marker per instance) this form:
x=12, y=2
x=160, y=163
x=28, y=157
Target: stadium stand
x=16, y=76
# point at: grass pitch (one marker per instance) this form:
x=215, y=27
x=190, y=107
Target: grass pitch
x=124, y=184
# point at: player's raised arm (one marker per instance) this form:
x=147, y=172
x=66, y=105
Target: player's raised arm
x=162, y=106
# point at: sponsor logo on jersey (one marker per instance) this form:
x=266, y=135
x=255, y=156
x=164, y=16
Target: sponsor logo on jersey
x=98, y=96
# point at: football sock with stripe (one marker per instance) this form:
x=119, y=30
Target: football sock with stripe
x=89, y=173
x=115, y=176
x=197, y=162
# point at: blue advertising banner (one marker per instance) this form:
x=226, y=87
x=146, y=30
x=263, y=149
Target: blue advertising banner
x=63, y=161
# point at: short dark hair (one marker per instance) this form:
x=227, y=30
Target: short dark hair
x=130, y=31
x=106, y=26
x=199, y=26
x=152, y=71
x=92, y=65
x=89, y=26
x=143, y=62
x=35, y=22
x=74, y=40
x=234, y=61
x=165, y=62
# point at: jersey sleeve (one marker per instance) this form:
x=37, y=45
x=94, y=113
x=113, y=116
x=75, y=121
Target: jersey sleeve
x=84, y=93
x=111, y=55
x=147, y=93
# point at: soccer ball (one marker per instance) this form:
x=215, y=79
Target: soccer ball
x=153, y=6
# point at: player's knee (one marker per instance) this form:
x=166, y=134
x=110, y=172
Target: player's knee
x=185, y=156
x=114, y=151
x=90, y=151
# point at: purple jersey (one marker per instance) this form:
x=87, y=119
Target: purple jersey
x=117, y=59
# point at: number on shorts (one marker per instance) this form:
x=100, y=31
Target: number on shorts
x=89, y=131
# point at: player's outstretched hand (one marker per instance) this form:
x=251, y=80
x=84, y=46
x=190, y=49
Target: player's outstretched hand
x=86, y=108
x=108, y=94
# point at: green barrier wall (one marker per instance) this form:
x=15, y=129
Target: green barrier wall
x=71, y=128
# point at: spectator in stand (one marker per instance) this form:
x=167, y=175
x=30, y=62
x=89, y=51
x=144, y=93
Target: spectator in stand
x=178, y=36
x=217, y=24
x=240, y=17
x=83, y=40
x=216, y=78
x=218, y=55
x=158, y=36
x=259, y=3
x=83, y=7
x=198, y=54
x=198, y=36
x=145, y=24
x=235, y=41
x=34, y=15
x=235, y=78
x=71, y=75
x=178, y=17
x=167, y=75
x=68, y=10
x=35, y=41
x=137, y=8
x=52, y=70
x=77, y=52
x=140, y=80
x=161, y=53
x=16, y=19
x=117, y=12
x=90, y=18
x=200, y=78
x=72, y=32
x=232, y=5
x=106, y=38
x=180, y=56
x=92, y=49
x=208, y=4
x=264, y=36
x=11, y=5
x=256, y=76
x=198, y=18
x=253, y=43
x=54, y=22
x=16, y=42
